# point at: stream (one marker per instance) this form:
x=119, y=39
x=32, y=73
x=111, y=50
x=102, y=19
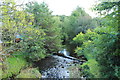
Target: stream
x=56, y=66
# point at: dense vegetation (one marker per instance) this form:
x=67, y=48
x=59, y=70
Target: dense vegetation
x=38, y=32
x=43, y=34
x=78, y=21
x=101, y=45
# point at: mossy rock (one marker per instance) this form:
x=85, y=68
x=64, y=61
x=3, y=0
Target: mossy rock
x=29, y=73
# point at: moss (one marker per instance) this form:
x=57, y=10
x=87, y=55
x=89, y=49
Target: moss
x=29, y=73
x=12, y=66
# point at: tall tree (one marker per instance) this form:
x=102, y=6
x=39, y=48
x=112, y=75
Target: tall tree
x=19, y=22
x=100, y=46
x=79, y=21
x=44, y=20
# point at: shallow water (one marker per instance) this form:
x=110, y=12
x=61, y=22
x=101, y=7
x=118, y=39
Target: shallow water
x=59, y=67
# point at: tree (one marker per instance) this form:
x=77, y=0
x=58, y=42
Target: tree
x=79, y=21
x=44, y=20
x=20, y=22
x=101, y=44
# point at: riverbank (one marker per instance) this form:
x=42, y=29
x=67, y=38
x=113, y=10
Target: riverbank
x=18, y=67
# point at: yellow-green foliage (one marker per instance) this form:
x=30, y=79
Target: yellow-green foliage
x=93, y=67
x=29, y=73
x=13, y=65
x=21, y=22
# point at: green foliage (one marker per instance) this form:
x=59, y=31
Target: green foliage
x=101, y=45
x=39, y=35
x=41, y=13
x=20, y=22
x=45, y=21
x=92, y=68
x=34, y=46
x=98, y=39
x=107, y=8
x=79, y=21
x=29, y=73
x=12, y=66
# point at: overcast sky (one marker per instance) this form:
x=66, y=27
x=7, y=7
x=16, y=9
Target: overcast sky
x=65, y=7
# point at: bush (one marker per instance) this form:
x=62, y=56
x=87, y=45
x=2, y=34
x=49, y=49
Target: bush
x=91, y=69
x=12, y=66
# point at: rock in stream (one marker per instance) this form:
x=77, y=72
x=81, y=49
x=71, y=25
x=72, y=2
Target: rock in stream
x=59, y=67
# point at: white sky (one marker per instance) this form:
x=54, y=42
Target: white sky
x=65, y=7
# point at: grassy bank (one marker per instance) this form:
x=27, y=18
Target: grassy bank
x=18, y=67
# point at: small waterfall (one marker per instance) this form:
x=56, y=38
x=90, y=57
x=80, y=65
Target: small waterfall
x=64, y=52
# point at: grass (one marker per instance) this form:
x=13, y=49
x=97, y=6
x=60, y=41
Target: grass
x=12, y=66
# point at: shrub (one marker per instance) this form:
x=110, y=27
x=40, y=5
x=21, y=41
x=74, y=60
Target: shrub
x=12, y=66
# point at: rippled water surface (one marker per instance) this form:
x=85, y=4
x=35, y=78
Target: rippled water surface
x=59, y=67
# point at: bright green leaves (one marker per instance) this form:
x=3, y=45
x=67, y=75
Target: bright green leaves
x=79, y=37
x=85, y=37
x=12, y=66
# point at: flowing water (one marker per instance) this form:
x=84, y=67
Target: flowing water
x=59, y=67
